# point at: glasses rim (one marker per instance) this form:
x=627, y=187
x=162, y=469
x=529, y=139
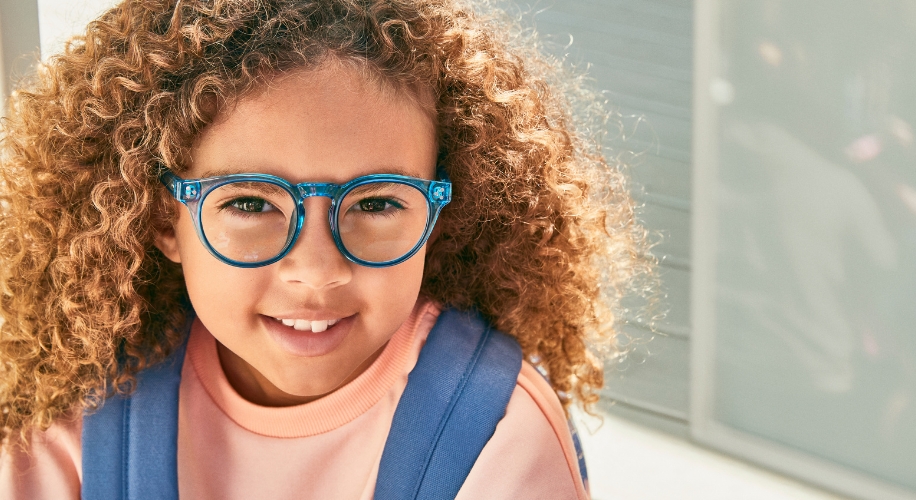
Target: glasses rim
x=192, y=193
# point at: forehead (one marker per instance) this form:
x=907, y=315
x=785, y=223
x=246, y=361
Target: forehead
x=329, y=124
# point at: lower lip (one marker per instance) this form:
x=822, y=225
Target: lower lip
x=308, y=344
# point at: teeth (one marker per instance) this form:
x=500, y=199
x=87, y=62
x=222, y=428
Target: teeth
x=304, y=325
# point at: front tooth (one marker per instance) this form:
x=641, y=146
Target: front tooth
x=288, y=322
x=319, y=326
x=302, y=325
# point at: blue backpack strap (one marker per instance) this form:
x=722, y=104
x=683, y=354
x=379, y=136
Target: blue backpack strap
x=456, y=394
x=580, y=455
x=130, y=445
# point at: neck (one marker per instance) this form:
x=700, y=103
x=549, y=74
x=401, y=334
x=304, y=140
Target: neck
x=254, y=387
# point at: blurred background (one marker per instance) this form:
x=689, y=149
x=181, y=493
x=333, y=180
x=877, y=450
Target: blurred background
x=770, y=144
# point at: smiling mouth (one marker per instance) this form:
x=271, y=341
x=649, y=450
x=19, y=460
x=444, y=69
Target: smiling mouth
x=304, y=325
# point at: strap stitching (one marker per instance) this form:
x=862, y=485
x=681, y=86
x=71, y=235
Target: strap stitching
x=456, y=395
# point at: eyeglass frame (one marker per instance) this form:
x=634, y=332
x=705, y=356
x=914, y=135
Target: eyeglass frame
x=191, y=192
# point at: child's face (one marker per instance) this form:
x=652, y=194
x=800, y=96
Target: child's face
x=326, y=125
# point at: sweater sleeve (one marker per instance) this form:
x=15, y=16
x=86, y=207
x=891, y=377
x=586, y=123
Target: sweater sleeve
x=531, y=454
x=49, y=468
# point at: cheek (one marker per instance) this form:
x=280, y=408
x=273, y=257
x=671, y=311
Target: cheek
x=216, y=290
x=392, y=292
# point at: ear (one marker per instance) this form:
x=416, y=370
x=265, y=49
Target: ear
x=167, y=243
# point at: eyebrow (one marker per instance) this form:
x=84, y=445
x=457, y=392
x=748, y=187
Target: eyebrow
x=219, y=172
x=259, y=187
x=392, y=170
x=371, y=189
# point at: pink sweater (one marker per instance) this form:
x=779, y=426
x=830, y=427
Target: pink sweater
x=229, y=448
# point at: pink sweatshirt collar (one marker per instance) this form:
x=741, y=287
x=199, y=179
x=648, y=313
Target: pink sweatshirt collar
x=316, y=417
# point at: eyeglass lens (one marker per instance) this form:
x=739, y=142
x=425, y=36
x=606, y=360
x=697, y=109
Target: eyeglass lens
x=254, y=221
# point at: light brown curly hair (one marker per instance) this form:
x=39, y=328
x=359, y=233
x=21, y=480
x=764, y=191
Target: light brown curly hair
x=540, y=236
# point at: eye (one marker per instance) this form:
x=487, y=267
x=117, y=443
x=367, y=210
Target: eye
x=250, y=205
x=375, y=204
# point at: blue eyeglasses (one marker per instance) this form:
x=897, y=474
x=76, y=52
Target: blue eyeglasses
x=252, y=220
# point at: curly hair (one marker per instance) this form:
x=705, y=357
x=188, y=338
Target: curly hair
x=540, y=236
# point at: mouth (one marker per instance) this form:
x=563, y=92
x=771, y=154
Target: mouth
x=308, y=337
x=305, y=325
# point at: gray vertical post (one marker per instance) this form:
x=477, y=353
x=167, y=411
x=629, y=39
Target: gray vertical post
x=20, y=45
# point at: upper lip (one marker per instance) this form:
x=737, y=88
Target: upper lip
x=311, y=315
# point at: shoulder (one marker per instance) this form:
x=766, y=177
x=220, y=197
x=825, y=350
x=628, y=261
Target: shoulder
x=49, y=467
x=531, y=454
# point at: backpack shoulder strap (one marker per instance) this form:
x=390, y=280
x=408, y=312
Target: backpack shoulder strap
x=130, y=445
x=456, y=394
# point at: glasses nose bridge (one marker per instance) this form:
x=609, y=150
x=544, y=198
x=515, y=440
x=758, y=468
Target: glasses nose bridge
x=310, y=189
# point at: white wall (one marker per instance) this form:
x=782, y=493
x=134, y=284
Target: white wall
x=60, y=19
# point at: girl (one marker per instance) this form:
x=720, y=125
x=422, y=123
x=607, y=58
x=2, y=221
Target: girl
x=252, y=187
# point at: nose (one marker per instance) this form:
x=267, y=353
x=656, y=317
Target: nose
x=314, y=261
